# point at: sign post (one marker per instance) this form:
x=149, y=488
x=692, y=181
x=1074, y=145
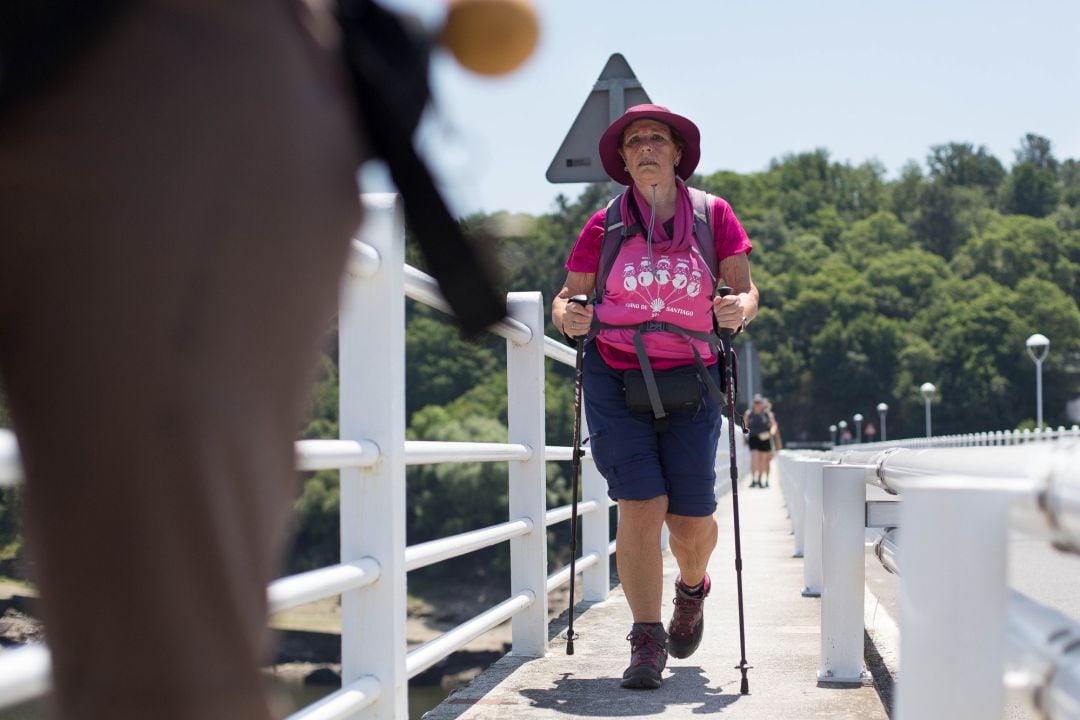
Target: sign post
x=578, y=158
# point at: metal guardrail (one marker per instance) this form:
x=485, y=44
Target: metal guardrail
x=979, y=439
x=953, y=501
x=372, y=455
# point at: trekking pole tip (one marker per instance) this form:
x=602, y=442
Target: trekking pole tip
x=744, y=686
x=569, y=646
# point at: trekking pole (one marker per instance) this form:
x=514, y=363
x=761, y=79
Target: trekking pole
x=726, y=336
x=575, y=472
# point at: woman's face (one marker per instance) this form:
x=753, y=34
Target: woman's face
x=650, y=152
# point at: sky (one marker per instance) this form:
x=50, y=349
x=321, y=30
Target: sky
x=868, y=80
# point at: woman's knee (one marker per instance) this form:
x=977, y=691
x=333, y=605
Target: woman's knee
x=643, y=515
x=691, y=530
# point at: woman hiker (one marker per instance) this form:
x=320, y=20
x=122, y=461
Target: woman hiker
x=651, y=263
x=761, y=424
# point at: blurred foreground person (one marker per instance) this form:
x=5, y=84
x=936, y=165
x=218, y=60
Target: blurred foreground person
x=177, y=194
x=176, y=200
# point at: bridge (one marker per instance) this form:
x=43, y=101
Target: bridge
x=937, y=512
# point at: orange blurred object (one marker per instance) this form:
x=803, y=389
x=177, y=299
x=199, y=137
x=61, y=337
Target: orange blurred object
x=491, y=37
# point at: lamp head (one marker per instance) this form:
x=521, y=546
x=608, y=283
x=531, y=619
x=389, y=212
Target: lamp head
x=858, y=417
x=842, y=424
x=928, y=390
x=832, y=428
x=882, y=407
x=1038, y=340
x=1037, y=346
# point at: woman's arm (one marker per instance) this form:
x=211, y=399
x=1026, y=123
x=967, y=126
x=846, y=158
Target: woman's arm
x=570, y=318
x=730, y=311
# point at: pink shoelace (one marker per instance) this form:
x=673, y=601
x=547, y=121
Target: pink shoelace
x=645, y=648
x=687, y=610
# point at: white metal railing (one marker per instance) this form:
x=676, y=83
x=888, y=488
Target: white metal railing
x=966, y=636
x=979, y=439
x=372, y=455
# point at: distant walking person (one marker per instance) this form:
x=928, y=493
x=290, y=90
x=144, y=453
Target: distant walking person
x=761, y=423
x=654, y=426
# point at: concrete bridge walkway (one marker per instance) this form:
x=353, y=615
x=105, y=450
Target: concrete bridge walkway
x=783, y=638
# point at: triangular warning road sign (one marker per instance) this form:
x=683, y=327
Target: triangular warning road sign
x=578, y=159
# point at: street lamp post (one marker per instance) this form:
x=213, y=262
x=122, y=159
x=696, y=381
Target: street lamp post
x=882, y=408
x=858, y=418
x=1037, y=346
x=927, y=390
x=832, y=433
x=843, y=426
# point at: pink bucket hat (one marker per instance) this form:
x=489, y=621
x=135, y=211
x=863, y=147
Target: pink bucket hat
x=612, y=138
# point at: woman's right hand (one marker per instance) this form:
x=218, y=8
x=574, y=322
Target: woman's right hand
x=577, y=319
x=573, y=319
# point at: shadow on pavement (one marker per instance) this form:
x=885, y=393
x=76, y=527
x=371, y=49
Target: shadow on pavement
x=584, y=697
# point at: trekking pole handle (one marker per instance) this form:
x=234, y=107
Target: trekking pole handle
x=724, y=291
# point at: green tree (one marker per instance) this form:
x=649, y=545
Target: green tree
x=879, y=234
x=1036, y=150
x=441, y=365
x=975, y=328
x=906, y=191
x=944, y=218
x=316, y=523
x=1032, y=190
x=902, y=281
x=1069, y=174
x=960, y=164
x=1013, y=247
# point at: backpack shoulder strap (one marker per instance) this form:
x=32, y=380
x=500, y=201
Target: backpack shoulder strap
x=609, y=246
x=703, y=233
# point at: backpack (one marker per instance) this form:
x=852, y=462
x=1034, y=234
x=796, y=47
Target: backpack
x=615, y=231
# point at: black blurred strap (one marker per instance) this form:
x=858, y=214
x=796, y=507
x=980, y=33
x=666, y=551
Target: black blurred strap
x=41, y=39
x=388, y=65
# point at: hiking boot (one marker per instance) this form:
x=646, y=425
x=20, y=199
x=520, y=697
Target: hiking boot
x=647, y=656
x=688, y=623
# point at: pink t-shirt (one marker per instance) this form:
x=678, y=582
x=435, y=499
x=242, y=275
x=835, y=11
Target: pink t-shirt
x=730, y=239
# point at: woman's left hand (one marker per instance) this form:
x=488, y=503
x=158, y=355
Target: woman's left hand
x=730, y=311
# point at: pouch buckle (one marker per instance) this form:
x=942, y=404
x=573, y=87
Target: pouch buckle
x=654, y=326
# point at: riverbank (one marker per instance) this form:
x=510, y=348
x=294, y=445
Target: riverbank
x=308, y=635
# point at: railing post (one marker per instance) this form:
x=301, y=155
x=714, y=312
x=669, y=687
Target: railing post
x=811, y=471
x=595, y=529
x=528, y=480
x=798, y=505
x=843, y=574
x=784, y=462
x=953, y=600
x=372, y=407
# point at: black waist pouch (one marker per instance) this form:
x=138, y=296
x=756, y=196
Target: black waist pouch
x=680, y=389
